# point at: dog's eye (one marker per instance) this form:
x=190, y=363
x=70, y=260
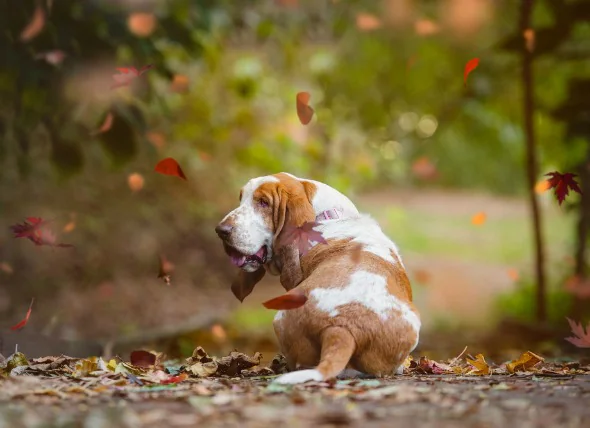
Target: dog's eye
x=263, y=203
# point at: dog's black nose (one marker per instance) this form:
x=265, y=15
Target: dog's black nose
x=223, y=230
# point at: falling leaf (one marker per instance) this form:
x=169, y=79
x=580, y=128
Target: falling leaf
x=244, y=283
x=582, y=338
x=480, y=365
x=542, y=186
x=304, y=235
x=36, y=230
x=141, y=24
x=6, y=268
x=524, y=363
x=35, y=26
x=563, y=183
x=25, y=320
x=106, y=125
x=179, y=83
x=529, y=39
x=426, y=27
x=142, y=359
x=169, y=166
x=304, y=111
x=69, y=227
x=135, y=182
x=469, y=67
x=165, y=268
x=424, y=169
x=54, y=57
x=175, y=379
x=291, y=300
x=157, y=139
x=367, y=22
x=421, y=276
x=478, y=219
x=579, y=287
x=128, y=74
x=218, y=332
x=513, y=274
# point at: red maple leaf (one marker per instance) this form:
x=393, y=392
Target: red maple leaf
x=292, y=300
x=26, y=319
x=36, y=230
x=582, y=338
x=169, y=166
x=469, y=67
x=128, y=74
x=303, y=235
x=562, y=183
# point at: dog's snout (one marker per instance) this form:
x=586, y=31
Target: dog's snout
x=223, y=230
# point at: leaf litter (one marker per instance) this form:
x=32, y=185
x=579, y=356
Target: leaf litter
x=210, y=389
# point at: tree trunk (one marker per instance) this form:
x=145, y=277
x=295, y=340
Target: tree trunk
x=531, y=161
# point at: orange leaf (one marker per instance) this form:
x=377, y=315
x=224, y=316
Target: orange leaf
x=542, y=186
x=142, y=358
x=290, y=300
x=175, y=379
x=304, y=111
x=424, y=169
x=367, y=22
x=35, y=26
x=106, y=125
x=469, y=67
x=169, y=166
x=529, y=39
x=513, y=274
x=141, y=24
x=426, y=27
x=179, y=83
x=135, y=182
x=218, y=332
x=69, y=227
x=24, y=321
x=479, y=219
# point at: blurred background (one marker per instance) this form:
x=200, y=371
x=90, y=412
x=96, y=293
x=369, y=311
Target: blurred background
x=442, y=165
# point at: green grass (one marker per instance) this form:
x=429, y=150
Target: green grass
x=506, y=240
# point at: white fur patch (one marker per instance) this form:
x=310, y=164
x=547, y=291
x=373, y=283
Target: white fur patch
x=250, y=229
x=368, y=289
x=299, y=376
x=363, y=230
x=349, y=373
x=279, y=315
x=400, y=370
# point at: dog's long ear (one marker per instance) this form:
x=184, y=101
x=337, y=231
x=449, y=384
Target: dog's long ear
x=292, y=208
x=245, y=282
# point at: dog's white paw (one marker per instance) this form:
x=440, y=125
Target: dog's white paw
x=299, y=376
x=350, y=374
x=400, y=370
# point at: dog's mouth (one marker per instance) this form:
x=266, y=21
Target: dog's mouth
x=241, y=260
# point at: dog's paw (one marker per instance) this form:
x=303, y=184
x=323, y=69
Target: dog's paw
x=400, y=370
x=353, y=374
x=299, y=376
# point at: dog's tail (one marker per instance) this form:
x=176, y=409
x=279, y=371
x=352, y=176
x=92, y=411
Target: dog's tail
x=338, y=346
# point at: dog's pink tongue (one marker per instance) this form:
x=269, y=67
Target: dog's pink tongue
x=260, y=253
x=238, y=260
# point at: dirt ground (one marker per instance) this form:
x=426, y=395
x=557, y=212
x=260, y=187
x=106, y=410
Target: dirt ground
x=404, y=401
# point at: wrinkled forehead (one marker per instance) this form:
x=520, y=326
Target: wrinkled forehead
x=251, y=186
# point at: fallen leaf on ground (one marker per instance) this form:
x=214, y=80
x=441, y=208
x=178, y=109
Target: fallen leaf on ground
x=478, y=219
x=35, y=26
x=25, y=320
x=141, y=358
x=291, y=300
x=175, y=379
x=469, y=67
x=524, y=363
x=128, y=74
x=429, y=366
x=304, y=235
x=481, y=367
x=582, y=338
x=169, y=166
x=106, y=125
x=563, y=183
x=202, y=365
x=304, y=111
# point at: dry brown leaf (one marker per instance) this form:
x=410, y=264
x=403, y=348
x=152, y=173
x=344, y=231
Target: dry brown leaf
x=481, y=367
x=524, y=363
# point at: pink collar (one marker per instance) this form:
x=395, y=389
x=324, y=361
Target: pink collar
x=331, y=214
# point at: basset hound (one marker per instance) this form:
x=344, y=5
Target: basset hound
x=359, y=313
